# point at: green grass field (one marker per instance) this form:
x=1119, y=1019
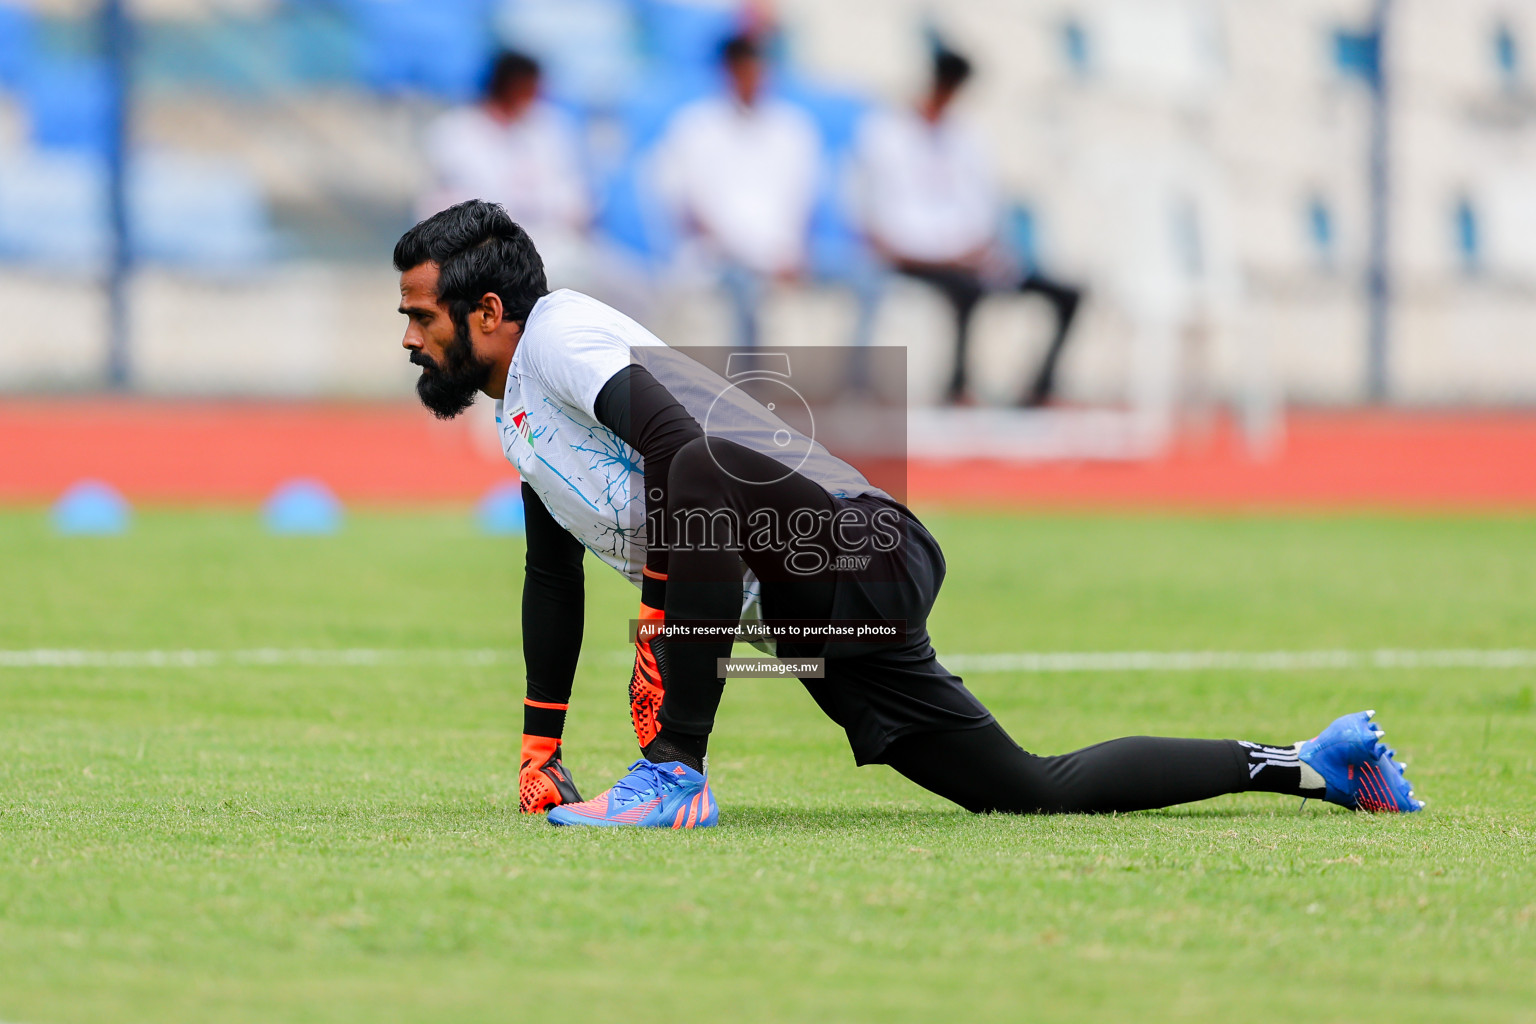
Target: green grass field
x=282, y=843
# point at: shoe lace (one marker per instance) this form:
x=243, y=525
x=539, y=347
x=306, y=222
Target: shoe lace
x=643, y=776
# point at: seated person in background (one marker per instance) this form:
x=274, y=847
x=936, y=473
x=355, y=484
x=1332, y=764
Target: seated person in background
x=925, y=194
x=514, y=149
x=740, y=171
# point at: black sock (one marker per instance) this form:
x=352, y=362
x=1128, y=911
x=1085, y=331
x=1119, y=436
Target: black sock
x=670, y=745
x=544, y=719
x=1274, y=769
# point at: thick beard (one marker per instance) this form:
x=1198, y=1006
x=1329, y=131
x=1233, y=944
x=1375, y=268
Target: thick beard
x=450, y=388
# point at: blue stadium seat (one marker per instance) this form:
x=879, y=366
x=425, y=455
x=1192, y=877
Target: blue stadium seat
x=645, y=116
x=834, y=245
x=837, y=114
x=1358, y=54
x=1021, y=235
x=440, y=47
x=197, y=212
x=627, y=213
x=18, y=31
x=69, y=103
x=320, y=46
x=629, y=216
x=685, y=36
x=53, y=210
x=193, y=212
x=237, y=55
x=588, y=48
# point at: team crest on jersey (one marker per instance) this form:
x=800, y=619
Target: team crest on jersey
x=520, y=423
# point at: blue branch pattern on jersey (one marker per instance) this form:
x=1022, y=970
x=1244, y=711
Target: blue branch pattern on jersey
x=615, y=467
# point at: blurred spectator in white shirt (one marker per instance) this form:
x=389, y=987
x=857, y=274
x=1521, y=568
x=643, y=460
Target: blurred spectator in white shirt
x=926, y=197
x=741, y=171
x=515, y=149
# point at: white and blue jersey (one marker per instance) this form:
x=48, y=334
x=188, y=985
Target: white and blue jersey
x=592, y=482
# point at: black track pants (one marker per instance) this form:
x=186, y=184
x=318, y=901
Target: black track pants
x=710, y=478
x=982, y=770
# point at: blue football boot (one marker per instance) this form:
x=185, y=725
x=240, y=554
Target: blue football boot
x=1357, y=767
x=666, y=795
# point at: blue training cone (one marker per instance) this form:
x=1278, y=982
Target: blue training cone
x=91, y=507
x=501, y=510
x=302, y=507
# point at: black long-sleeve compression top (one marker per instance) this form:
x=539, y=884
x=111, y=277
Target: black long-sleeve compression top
x=642, y=412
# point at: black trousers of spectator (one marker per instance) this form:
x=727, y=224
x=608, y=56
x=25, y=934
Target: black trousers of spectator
x=964, y=289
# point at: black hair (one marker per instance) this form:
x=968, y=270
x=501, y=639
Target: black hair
x=477, y=249
x=739, y=47
x=509, y=68
x=950, y=69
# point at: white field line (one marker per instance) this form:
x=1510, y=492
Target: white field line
x=1034, y=662
x=260, y=656
x=1260, y=661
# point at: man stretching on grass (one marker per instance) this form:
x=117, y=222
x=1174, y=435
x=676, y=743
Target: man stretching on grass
x=742, y=523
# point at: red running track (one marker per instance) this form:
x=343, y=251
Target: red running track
x=238, y=452
x=203, y=452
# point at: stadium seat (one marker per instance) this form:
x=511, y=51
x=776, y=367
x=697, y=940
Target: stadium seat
x=837, y=114
x=198, y=212
x=53, y=209
x=321, y=46
x=627, y=213
x=685, y=36
x=1021, y=235
x=835, y=246
x=194, y=212
x=237, y=55
x=18, y=31
x=645, y=116
x=69, y=103
x=630, y=217
x=588, y=47
x=439, y=47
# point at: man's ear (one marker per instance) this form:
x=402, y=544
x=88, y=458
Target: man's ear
x=490, y=312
